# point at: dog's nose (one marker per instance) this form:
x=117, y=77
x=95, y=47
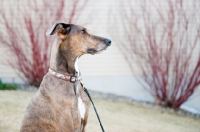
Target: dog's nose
x=108, y=42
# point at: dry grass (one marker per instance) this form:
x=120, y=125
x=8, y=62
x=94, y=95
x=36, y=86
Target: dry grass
x=116, y=116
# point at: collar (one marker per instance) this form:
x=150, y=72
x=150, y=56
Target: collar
x=72, y=79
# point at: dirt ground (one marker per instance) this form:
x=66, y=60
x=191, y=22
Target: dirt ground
x=115, y=116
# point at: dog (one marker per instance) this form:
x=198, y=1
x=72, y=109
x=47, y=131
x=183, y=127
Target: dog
x=60, y=104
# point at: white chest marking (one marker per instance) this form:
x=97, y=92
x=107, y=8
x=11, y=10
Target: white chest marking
x=76, y=66
x=81, y=107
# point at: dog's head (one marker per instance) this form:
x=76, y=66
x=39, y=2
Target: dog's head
x=78, y=39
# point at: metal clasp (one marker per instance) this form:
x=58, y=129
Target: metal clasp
x=82, y=84
x=73, y=79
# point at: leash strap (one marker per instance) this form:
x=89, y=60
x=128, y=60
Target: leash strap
x=86, y=91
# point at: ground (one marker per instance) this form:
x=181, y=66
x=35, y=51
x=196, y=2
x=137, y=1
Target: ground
x=115, y=116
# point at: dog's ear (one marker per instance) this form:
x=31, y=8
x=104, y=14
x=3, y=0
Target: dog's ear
x=61, y=28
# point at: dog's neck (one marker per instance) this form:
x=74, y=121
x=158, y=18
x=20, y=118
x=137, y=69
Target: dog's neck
x=62, y=60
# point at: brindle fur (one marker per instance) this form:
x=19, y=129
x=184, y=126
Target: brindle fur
x=54, y=108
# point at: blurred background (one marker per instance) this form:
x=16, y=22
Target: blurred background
x=154, y=56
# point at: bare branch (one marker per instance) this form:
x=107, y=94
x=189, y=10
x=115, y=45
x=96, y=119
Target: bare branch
x=164, y=43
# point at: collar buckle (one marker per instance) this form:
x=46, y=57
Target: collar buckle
x=73, y=79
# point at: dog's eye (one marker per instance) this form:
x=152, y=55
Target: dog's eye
x=83, y=31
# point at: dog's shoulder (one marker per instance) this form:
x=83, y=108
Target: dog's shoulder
x=56, y=89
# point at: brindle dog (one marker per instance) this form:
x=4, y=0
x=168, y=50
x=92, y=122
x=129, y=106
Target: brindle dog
x=60, y=105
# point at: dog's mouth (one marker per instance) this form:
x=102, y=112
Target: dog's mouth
x=91, y=51
x=94, y=51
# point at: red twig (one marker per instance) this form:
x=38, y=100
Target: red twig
x=164, y=45
x=24, y=34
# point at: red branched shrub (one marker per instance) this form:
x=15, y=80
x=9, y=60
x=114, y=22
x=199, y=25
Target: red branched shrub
x=163, y=39
x=23, y=26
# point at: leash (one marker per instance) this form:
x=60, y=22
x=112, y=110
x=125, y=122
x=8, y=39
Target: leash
x=86, y=91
